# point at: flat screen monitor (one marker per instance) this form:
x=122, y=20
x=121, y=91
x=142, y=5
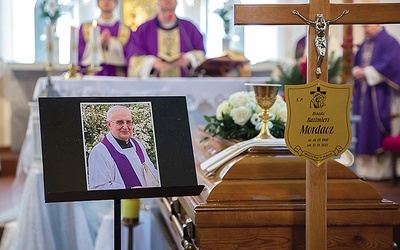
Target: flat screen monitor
x=98, y=148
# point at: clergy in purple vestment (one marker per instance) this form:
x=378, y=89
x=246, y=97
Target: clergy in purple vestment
x=114, y=43
x=166, y=46
x=377, y=82
x=120, y=161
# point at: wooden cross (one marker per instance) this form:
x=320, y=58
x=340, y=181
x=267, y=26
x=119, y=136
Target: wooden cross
x=282, y=14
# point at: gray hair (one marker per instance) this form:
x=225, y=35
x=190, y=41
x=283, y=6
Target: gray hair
x=114, y=108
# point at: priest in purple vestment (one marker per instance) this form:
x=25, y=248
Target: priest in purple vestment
x=114, y=43
x=166, y=46
x=377, y=82
x=120, y=161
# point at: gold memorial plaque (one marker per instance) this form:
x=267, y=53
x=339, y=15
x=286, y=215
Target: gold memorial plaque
x=318, y=122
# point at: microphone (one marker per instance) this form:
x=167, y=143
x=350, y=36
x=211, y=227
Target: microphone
x=171, y=16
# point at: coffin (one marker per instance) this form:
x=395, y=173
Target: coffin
x=257, y=201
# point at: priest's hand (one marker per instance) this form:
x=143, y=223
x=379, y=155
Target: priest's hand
x=182, y=61
x=160, y=65
x=105, y=38
x=358, y=73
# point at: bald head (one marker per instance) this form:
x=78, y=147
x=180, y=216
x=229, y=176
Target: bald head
x=166, y=11
x=371, y=30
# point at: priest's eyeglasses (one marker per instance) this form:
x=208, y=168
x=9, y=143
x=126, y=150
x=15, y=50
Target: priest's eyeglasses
x=121, y=122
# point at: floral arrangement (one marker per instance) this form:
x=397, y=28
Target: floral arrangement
x=52, y=10
x=225, y=12
x=237, y=117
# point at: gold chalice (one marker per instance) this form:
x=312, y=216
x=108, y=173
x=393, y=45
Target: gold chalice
x=265, y=96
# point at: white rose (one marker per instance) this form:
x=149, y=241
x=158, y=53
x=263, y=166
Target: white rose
x=275, y=107
x=256, y=121
x=282, y=114
x=258, y=109
x=280, y=101
x=224, y=107
x=278, y=107
x=269, y=124
x=251, y=95
x=239, y=99
x=241, y=115
x=252, y=104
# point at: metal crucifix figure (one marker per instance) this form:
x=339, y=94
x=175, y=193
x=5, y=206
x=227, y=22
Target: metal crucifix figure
x=320, y=40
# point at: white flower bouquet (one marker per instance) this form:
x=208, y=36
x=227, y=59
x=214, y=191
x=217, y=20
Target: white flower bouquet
x=52, y=10
x=237, y=117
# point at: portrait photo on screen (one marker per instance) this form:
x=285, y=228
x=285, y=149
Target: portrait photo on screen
x=98, y=148
x=119, y=144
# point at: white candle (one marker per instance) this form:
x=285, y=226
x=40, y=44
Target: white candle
x=49, y=44
x=95, y=43
x=74, y=45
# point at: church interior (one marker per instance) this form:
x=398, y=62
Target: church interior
x=256, y=198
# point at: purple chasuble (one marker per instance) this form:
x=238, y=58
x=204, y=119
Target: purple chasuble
x=145, y=39
x=300, y=47
x=107, y=70
x=374, y=103
x=124, y=166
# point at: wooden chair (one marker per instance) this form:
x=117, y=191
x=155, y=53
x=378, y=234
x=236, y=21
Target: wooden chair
x=392, y=144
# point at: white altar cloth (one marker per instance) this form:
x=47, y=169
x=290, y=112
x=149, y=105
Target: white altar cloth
x=207, y=90
x=75, y=225
x=66, y=226
x=203, y=95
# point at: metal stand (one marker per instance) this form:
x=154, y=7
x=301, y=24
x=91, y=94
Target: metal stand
x=50, y=91
x=117, y=224
x=131, y=224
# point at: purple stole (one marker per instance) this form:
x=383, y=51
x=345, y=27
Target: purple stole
x=366, y=54
x=124, y=166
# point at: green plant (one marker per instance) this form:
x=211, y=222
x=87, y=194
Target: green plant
x=292, y=75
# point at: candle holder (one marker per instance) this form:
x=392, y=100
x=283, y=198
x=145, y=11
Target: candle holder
x=48, y=68
x=265, y=97
x=50, y=91
x=131, y=223
x=72, y=72
x=130, y=217
x=92, y=69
